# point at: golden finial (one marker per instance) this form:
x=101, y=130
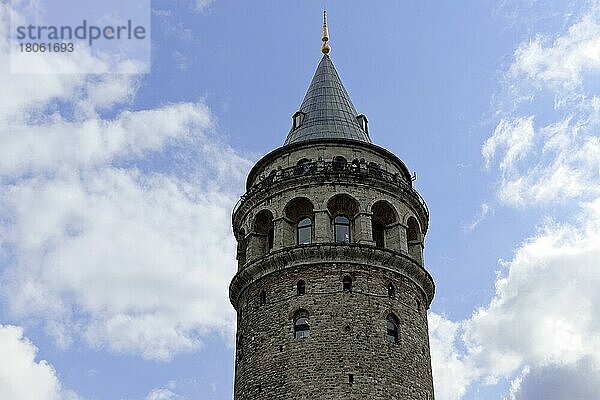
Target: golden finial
x=325, y=47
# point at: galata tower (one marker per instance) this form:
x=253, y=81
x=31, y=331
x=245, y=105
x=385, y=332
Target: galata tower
x=331, y=291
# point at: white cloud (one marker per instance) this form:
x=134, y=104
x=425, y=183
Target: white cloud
x=202, y=5
x=544, y=308
x=557, y=382
x=181, y=61
x=540, y=331
x=162, y=394
x=62, y=144
x=101, y=250
x=143, y=261
x=563, y=161
x=567, y=59
x=553, y=153
x=514, y=138
x=21, y=376
x=452, y=373
x=484, y=210
x=115, y=231
x=542, y=318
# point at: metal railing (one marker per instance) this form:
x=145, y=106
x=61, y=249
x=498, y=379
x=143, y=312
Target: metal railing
x=330, y=169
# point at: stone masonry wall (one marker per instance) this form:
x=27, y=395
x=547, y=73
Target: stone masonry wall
x=347, y=337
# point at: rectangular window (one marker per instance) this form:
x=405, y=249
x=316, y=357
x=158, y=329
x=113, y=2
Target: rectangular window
x=304, y=234
x=378, y=234
x=302, y=334
x=342, y=233
x=341, y=229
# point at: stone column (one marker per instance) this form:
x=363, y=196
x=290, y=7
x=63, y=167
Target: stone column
x=256, y=246
x=363, y=231
x=284, y=233
x=395, y=237
x=403, y=244
x=322, y=228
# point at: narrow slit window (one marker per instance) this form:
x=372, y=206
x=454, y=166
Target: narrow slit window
x=391, y=290
x=347, y=284
x=301, y=288
x=392, y=329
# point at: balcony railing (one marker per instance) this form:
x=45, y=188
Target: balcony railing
x=330, y=169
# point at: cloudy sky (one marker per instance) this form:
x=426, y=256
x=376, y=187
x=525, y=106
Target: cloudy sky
x=116, y=190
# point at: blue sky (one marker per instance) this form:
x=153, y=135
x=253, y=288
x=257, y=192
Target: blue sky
x=116, y=191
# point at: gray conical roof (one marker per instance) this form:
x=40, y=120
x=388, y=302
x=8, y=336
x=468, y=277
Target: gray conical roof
x=329, y=113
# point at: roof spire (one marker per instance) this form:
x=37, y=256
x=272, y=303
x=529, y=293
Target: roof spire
x=325, y=47
x=327, y=110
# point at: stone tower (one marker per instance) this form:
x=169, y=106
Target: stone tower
x=331, y=291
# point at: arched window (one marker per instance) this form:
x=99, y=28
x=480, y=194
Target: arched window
x=341, y=228
x=414, y=240
x=412, y=233
x=339, y=163
x=299, y=218
x=300, y=288
x=391, y=290
x=263, y=297
x=343, y=208
x=304, y=231
x=304, y=166
x=347, y=284
x=301, y=327
x=392, y=328
x=262, y=238
x=383, y=220
x=378, y=233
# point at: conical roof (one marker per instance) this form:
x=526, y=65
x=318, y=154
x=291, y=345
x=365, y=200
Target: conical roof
x=328, y=111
